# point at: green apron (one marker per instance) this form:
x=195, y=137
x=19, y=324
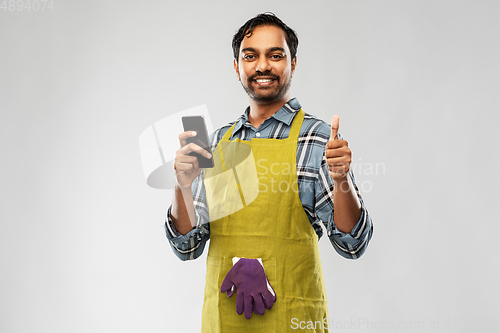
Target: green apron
x=255, y=212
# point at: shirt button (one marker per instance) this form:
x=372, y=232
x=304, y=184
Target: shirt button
x=257, y=134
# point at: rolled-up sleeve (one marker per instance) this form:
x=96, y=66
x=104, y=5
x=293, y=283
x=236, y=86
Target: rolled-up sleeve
x=191, y=245
x=349, y=245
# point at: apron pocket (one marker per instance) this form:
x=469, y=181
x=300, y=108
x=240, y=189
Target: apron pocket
x=219, y=311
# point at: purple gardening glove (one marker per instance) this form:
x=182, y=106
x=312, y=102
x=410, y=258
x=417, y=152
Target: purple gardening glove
x=253, y=289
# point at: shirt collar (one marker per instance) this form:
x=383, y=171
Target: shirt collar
x=285, y=114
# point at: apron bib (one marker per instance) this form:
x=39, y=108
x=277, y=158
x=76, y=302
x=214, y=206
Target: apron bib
x=255, y=212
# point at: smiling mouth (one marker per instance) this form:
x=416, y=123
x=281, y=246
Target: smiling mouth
x=264, y=82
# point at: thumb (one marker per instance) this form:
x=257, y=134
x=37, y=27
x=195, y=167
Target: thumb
x=227, y=283
x=335, y=128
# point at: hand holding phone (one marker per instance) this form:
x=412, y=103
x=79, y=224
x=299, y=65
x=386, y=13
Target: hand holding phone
x=197, y=124
x=194, y=148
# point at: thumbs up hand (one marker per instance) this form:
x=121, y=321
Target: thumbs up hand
x=338, y=154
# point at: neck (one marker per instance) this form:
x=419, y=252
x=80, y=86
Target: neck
x=260, y=112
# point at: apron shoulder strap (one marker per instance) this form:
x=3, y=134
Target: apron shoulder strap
x=296, y=125
x=228, y=133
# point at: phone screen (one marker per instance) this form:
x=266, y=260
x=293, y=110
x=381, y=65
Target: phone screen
x=197, y=123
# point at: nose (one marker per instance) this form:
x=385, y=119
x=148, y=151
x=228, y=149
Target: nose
x=262, y=65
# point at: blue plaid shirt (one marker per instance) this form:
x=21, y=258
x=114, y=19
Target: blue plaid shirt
x=314, y=182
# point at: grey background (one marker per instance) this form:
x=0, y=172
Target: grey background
x=416, y=85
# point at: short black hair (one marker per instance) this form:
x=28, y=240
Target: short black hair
x=266, y=18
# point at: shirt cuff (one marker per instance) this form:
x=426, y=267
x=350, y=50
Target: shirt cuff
x=189, y=246
x=169, y=226
x=356, y=231
x=194, y=234
x=353, y=244
x=176, y=237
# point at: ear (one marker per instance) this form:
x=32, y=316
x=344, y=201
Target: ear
x=235, y=64
x=294, y=63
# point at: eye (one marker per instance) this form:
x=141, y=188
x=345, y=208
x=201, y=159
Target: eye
x=249, y=57
x=277, y=56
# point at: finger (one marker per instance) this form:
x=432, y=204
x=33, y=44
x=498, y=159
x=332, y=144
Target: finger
x=339, y=170
x=336, y=152
x=227, y=283
x=239, y=302
x=339, y=160
x=191, y=147
x=271, y=291
x=200, y=143
x=230, y=292
x=248, y=306
x=338, y=167
x=336, y=143
x=186, y=159
x=183, y=136
x=335, y=128
x=258, y=305
x=269, y=299
x=180, y=167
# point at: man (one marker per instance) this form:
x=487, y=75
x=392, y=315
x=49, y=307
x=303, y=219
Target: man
x=303, y=171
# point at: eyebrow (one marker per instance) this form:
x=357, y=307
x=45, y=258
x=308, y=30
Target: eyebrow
x=271, y=49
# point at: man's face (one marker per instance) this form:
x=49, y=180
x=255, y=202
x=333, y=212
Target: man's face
x=264, y=65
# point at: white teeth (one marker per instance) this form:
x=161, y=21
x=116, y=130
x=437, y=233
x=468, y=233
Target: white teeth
x=263, y=80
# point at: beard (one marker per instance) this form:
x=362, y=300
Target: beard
x=271, y=94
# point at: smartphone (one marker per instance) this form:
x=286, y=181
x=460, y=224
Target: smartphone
x=197, y=123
